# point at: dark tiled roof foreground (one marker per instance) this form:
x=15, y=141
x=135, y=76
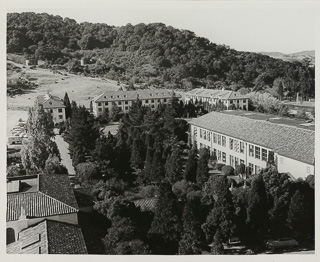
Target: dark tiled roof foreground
x=49, y=237
x=55, y=197
x=216, y=93
x=292, y=142
x=132, y=95
x=148, y=204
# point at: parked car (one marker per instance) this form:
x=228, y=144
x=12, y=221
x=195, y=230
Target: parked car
x=281, y=243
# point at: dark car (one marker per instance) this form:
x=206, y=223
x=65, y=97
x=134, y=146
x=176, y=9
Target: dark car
x=282, y=243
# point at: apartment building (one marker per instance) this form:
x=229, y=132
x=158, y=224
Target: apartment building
x=214, y=96
x=123, y=99
x=54, y=105
x=237, y=139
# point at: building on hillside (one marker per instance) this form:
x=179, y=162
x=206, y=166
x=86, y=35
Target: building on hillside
x=32, y=199
x=49, y=237
x=238, y=139
x=227, y=98
x=54, y=105
x=123, y=99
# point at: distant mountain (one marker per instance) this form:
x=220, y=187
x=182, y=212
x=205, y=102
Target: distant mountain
x=299, y=56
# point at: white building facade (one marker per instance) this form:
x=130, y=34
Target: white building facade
x=232, y=149
x=227, y=98
x=124, y=99
x=53, y=105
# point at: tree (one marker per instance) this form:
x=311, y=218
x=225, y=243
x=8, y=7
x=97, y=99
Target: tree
x=192, y=237
x=191, y=166
x=301, y=214
x=228, y=170
x=137, y=154
x=87, y=171
x=66, y=102
x=114, y=113
x=53, y=166
x=174, y=166
x=91, y=107
x=222, y=215
x=203, y=169
x=164, y=234
x=217, y=246
x=257, y=212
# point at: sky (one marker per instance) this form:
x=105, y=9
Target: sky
x=254, y=26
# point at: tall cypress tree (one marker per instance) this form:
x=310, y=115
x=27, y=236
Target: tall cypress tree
x=174, y=166
x=191, y=166
x=203, y=169
x=164, y=234
x=66, y=102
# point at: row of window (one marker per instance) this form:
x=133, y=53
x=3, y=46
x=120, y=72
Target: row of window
x=237, y=101
x=254, y=169
x=257, y=152
x=236, y=145
x=59, y=110
x=127, y=102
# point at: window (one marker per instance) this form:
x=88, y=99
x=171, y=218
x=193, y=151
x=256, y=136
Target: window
x=241, y=147
x=152, y=100
x=257, y=169
x=308, y=170
x=119, y=103
x=200, y=133
x=257, y=152
x=231, y=160
x=126, y=102
x=51, y=111
x=106, y=103
x=152, y=106
x=100, y=109
x=50, y=103
x=126, y=107
x=251, y=150
x=250, y=168
x=60, y=117
x=60, y=110
x=201, y=145
x=231, y=102
x=165, y=100
x=223, y=157
x=219, y=155
x=238, y=101
x=214, y=138
x=215, y=152
x=231, y=143
x=264, y=154
x=99, y=104
x=219, y=139
x=236, y=161
x=223, y=141
x=147, y=101
x=236, y=145
x=244, y=101
x=204, y=134
x=195, y=131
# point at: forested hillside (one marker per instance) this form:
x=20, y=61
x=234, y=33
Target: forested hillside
x=151, y=55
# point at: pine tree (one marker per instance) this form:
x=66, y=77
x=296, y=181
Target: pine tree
x=191, y=166
x=203, y=169
x=91, y=107
x=257, y=211
x=164, y=234
x=137, y=154
x=174, y=166
x=66, y=102
x=192, y=237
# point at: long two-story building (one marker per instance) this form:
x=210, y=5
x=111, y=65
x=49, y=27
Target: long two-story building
x=124, y=99
x=239, y=139
x=215, y=96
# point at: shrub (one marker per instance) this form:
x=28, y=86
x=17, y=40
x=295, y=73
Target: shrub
x=228, y=170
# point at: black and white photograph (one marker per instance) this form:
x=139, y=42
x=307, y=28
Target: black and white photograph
x=160, y=128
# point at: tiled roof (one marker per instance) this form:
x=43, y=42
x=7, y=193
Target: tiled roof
x=49, y=237
x=55, y=197
x=132, y=95
x=289, y=141
x=148, y=204
x=216, y=93
x=50, y=101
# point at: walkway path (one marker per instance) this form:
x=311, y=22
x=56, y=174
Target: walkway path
x=64, y=152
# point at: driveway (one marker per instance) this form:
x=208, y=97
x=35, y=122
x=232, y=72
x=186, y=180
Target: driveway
x=64, y=152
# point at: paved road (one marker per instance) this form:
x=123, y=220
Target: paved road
x=64, y=152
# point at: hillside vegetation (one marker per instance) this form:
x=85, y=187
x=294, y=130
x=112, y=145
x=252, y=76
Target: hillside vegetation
x=152, y=55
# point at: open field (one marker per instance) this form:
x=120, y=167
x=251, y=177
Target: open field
x=79, y=88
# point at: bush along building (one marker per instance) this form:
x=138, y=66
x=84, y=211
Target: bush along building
x=212, y=97
x=123, y=99
x=54, y=105
x=238, y=139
